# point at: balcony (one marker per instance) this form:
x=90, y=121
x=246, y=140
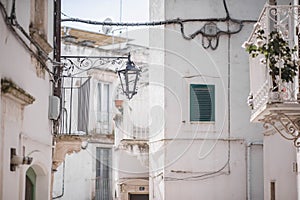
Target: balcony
x=274, y=64
x=80, y=116
x=271, y=93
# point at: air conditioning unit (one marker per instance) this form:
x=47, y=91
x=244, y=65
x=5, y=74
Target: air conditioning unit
x=54, y=108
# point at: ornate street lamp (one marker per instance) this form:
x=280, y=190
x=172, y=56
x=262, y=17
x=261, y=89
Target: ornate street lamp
x=128, y=78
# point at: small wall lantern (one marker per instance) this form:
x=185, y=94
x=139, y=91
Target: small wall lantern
x=129, y=77
x=16, y=160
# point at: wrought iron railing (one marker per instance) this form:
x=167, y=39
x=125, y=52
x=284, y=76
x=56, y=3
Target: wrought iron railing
x=74, y=114
x=131, y=131
x=284, y=19
x=102, y=122
x=141, y=133
x=77, y=115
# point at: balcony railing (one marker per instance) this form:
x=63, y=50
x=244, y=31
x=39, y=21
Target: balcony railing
x=78, y=115
x=140, y=132
x=131, y=131
x=265, y=89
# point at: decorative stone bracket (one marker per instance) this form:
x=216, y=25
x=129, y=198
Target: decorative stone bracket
x=134, y=146
x=138, y=148
x=65, y=145
x=13, y=91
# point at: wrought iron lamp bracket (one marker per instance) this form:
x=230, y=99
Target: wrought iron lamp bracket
x=285, y=125
x=73, y=65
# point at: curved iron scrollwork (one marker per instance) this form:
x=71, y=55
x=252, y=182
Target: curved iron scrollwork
x=211, y=33
x=285, y=126
x=73, y=65
x=210, y=36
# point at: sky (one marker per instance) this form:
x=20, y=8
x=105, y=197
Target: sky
x=99, y=10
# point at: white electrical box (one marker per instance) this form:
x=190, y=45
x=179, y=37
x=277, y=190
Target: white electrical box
x=54, y=108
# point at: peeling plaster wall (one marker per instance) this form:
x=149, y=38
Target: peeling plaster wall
x=24, y=127
x=78, y=179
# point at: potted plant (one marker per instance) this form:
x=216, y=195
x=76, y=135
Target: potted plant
x=118, y=103
x=277, y=55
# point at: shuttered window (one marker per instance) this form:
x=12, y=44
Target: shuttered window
x=202, y=102
x=103, y=174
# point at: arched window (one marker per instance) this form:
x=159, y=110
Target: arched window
x=30, y=184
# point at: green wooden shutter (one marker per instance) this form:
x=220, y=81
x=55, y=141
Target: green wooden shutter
x=202, y=102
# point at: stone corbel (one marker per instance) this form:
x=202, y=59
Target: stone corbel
x=137, y=148
x=65, y=145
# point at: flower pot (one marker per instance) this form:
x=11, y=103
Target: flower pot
x=119, y=103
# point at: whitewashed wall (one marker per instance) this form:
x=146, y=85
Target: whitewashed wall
x=280, y=167
x=26, y=127
x=126, y=164
x=76, y=177
x=193, y=149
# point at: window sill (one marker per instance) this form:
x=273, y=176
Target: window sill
x=202, y=122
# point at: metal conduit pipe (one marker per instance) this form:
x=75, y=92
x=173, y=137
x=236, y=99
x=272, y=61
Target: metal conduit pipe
x=249, y=145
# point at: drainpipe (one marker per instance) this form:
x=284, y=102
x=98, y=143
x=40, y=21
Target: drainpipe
x=249, y=145
x=57, y=72
x=63, y=184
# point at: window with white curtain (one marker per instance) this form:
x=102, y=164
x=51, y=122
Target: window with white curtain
x=103, y=107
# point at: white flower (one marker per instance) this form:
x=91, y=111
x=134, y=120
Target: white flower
x=284, y=58
x=259, y=42
x=246, y=44
x=257, y=25
x=263, y=61
x=280, y=63
x=250, y=101
x=286, y=33
x=280, y=33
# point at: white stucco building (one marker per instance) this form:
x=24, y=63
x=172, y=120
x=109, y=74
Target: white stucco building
x=26, y=32
x=201, y=142
x=274, y=101
x=187, y=133
x=91, y=122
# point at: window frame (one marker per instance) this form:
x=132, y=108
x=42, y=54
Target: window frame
x=102, y=101
x=213, y=112
x=98, y=166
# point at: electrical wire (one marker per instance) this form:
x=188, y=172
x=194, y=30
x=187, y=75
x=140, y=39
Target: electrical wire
x=227, y=164
x=181, y=22
x=177, y=21
x=11, y=22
